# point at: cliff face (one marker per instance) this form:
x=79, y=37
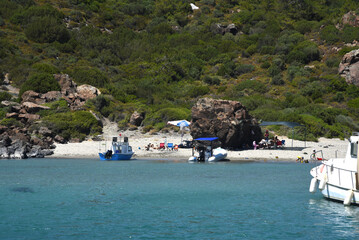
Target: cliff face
x=227, y=120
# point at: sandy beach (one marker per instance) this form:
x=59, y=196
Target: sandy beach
x=293, y=149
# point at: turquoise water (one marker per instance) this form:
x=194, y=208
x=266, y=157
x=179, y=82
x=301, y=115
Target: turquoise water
x=143, y=199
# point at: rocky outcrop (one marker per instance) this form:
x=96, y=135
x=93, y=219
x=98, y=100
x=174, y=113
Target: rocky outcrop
x=351, y=18
x=16, y=143
x=136, y=118
x=349, y=67
x=227, y=120
x=74, y=95
x=32, y=140
x=218, y=28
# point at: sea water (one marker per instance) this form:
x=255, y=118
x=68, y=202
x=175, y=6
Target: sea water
x=145, y=199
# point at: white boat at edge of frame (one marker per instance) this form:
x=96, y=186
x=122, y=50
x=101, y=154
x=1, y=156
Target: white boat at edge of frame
x=338, y=178
x=206, y=153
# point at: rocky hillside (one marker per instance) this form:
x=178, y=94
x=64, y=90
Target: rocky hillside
x=151, y=60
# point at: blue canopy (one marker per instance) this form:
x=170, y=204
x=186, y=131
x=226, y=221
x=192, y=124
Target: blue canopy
x=206, y=139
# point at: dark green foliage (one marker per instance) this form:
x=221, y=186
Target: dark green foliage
x=91, y=76
x=10, y=122
x=152, y=55
x=304, y=26
x=349, y=33
x=40, y=83
x=45, y=68
x=211, y=80
x=5, y=96
x=252, y=85
x=73, y=124
x=232, y=69
x=313, y=90
x=332, y=62
x=47, y=30
x=295, y=100
x=354, y=103
x=277, y=80
x=167, y=114
x=304, y=52
x=330, y=34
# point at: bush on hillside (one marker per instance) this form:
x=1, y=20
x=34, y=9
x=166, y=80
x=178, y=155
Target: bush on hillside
x=46, y=30
x=330, y=34
x=73, y=124
x=40, y=83
x=91, y=76
x=304, y=52
x=45, y=68
x=167, y=114
x=254, y=85
x=5, y=96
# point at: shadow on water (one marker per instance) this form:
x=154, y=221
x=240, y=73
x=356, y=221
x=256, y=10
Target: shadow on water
x=22, y=189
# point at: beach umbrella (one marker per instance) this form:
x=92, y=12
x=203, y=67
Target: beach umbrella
x=183, y=123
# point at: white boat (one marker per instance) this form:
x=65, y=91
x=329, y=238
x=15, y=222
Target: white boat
x=205, y=151
x=117, y=151
x=338, y=178
x=218, y=155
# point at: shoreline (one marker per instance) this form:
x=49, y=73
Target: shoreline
x=330, y=148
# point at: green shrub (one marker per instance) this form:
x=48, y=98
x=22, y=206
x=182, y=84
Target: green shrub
x=313, y=90
x=254, y=85
x=304, y=52
x=10, y=122
x=330, y=34
x=349, y=34
x=332, y=62
x=167, y=114
x=72, y=124
x=40, y=83
x=45, y=68
x=211, y=80
x=91, y=76
x=277, y=80
x=303, y=26
x=354, y=103
x=5, y=96
x=265, y=65
x=46, y=30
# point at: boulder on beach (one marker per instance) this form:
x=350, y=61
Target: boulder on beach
x=225, y=119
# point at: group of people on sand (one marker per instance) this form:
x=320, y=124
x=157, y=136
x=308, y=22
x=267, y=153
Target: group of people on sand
x=161, y=146
x=268, y=143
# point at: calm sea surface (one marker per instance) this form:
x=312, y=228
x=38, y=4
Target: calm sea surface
x=144, y=199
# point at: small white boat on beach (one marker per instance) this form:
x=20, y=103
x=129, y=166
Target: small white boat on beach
x=338, y=178
x=206, y=153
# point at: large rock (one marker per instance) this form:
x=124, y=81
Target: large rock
x=351, y=19
x=87, y=92
x=227, y=120
x=16, y=143
x=30, y=107
x=67, y=85
x=349, y=67
x=136, y=118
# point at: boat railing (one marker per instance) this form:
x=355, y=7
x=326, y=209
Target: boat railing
x=341, y=173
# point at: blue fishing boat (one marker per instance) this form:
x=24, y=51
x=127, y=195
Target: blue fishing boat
x=117, y=151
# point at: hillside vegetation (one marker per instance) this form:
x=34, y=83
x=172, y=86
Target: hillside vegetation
x=157, y=57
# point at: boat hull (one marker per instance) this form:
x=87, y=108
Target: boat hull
x=116, y=157
x=339, y=194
